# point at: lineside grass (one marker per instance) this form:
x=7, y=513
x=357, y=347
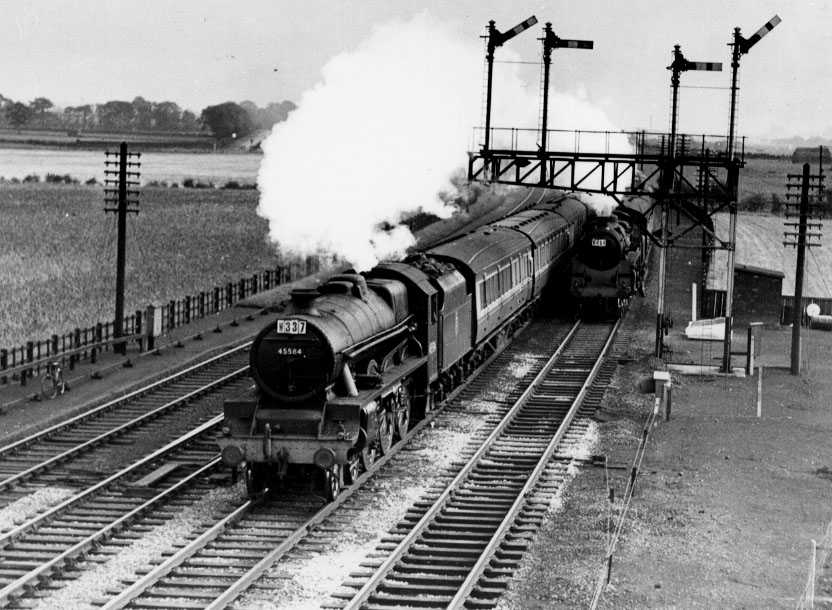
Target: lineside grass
x=57, y=260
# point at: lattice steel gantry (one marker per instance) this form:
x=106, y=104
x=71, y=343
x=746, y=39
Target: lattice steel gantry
x=696, y=175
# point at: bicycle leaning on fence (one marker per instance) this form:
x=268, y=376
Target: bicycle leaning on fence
x=52, y=382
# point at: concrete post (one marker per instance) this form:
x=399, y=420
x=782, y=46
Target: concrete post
x=154, y=325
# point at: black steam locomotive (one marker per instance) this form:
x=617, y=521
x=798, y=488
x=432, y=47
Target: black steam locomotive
x=345, y=370
x=610, y=261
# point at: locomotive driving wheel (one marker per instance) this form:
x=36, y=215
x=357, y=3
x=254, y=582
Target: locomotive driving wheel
x=334, y=481
x=353, y=469
x=402, y=412
x=368, y=456
x=373, y=368
x=385, y=431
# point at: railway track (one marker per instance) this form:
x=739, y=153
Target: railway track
x=102, y=440
x=217, y=565
x=249, y=540
x=40, y=548
x=461, y=548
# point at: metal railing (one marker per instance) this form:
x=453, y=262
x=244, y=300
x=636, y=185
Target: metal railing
x=604, y=142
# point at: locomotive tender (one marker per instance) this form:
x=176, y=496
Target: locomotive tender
x=610, y=261
x=343, y=372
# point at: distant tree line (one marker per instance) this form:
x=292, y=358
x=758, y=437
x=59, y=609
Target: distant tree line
x=222, y=120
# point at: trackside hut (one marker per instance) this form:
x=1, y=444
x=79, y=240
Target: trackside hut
x=757, y=293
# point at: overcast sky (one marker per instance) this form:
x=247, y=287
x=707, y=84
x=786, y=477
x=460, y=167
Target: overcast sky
x=203, y=52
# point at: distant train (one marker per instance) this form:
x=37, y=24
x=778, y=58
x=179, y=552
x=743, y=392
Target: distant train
x=610, y=261
x=347, y=369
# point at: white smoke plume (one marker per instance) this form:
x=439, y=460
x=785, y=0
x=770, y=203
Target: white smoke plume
x=379, y=137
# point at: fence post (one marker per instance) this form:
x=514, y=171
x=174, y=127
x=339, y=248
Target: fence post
x=30, y=355
x=54, y=346
x=171, y=315
x=201, y=304
x=188, y=309
x=76, y=344
x=216, y=299
x=749, y=357
x=759, y=391
x=229, y=294
x=4, y=363
x=96, y=339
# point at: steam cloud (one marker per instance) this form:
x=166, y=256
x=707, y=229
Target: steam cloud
x=380, y=137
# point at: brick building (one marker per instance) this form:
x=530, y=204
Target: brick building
x=756, y=296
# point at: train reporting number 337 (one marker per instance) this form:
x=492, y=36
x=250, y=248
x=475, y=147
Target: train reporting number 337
x=291, y=327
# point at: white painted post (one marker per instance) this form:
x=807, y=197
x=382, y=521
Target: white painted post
x=661, y=381
x=760, y=391
x=153, y=325
x=693, y=309
x=812, y=574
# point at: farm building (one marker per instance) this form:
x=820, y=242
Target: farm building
x=765, y=272
x=811, y=154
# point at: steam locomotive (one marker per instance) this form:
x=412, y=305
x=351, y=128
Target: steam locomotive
x=610, y=261
x=342, y=373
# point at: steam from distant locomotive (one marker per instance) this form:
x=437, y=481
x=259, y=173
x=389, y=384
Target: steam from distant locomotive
x=381, y=135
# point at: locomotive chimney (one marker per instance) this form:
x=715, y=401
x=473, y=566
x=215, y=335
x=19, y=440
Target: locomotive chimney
x=302, y=298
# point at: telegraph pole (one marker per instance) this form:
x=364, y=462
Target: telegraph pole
x=122, y=200
x=797, y=310
x=810, y=186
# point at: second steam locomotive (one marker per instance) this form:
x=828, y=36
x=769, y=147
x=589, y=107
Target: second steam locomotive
x=610, y=260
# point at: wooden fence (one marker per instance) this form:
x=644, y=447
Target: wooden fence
x=86, y=343
x=713, y=305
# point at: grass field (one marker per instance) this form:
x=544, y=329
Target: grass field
x=57, y=264
x=766, y=176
